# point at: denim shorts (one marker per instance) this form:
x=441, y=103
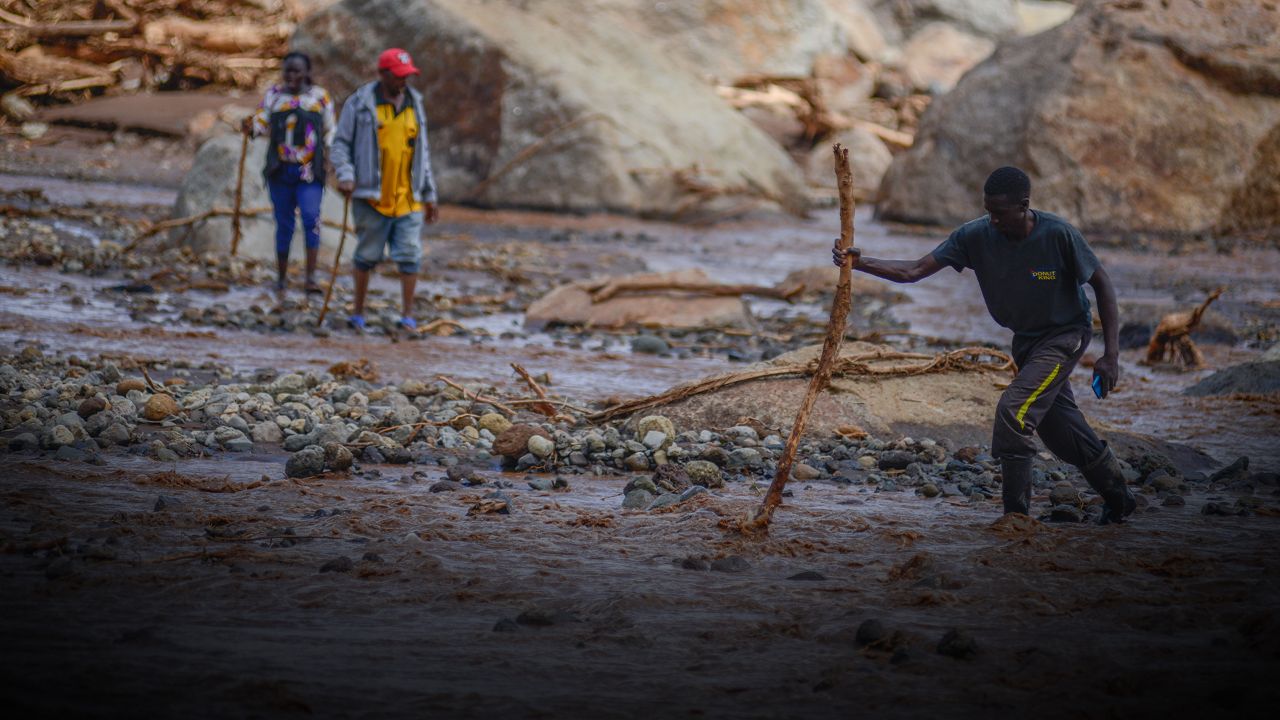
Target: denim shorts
x=401, y=237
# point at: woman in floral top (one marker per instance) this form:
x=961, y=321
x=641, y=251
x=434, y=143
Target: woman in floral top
x=298, y=118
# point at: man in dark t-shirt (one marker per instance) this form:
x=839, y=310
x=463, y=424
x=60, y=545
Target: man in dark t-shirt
x=1032, y=267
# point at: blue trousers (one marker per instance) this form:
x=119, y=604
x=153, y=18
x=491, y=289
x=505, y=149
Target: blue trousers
x=291, y=197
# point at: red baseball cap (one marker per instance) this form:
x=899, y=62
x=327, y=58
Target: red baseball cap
x=398, y=62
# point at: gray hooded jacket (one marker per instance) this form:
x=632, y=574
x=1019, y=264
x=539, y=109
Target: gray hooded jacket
x=355, y=155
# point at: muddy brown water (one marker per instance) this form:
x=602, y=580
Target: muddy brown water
x=216, y=606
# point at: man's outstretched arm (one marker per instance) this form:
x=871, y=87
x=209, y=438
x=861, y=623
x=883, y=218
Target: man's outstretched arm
x=1108, y=366
x=899, y=271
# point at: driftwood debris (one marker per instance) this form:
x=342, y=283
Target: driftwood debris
x=880, y=363
x=1171, y=341
x=541, y=405
x=157, y=227
x=830, y=348
x=608, y=289
x=68, y=50
x=803, y=98
x=497, y=404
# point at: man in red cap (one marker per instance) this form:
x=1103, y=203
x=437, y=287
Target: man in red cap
x=383, y=162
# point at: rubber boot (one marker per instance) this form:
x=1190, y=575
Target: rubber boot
x=1015, y=487
x=1107, y=479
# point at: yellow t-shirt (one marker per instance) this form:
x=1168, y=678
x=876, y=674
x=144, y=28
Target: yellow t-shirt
x=396, y=132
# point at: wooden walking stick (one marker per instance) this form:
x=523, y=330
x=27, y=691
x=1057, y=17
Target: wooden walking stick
x=235, y=212
x=830, y=350
x=337, y=260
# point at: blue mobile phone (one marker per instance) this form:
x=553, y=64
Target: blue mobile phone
x=1097, y=386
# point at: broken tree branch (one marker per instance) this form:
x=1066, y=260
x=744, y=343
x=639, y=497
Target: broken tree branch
x=830, y=347
x=542, y=407
x=75, y=28
x=475, y=396
x=615, y=287
x=1171, y=340
x=172, y=223
x=559, y=403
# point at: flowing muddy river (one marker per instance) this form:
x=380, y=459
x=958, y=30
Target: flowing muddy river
x=947, y=306
x=214, y=586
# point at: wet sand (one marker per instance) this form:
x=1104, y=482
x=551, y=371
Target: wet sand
x=215, y=605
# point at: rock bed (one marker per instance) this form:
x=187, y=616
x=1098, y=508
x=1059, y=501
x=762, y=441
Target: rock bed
x=40, y=243
x=179, y=285
x=76, y=409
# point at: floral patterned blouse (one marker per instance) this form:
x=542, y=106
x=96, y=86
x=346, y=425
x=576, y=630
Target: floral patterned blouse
x=297, y=147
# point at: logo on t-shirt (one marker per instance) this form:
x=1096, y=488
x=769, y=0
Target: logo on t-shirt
x=1044, y=274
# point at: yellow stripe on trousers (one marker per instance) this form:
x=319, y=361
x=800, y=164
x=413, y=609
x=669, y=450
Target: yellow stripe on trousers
x=1022, y=411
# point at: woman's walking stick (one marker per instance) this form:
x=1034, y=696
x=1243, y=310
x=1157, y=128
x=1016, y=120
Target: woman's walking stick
x=235, y=214
x=337, y=260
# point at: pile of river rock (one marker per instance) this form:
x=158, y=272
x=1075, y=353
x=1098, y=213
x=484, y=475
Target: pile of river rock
x=76, y=409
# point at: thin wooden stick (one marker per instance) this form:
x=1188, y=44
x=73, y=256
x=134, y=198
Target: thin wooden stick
x=476, y=396
x=151, y=384
x=162, y=225
x=236, y=232
x=560, y=403
x=543, y=407
x=337, y=260
x=830, y=348
x=615, y=287
x=172, y=223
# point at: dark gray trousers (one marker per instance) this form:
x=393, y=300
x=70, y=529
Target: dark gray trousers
x=1039, y=400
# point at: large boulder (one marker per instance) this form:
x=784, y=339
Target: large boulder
x=572, y=305
x=555, y=108
x=938, y=55
x=732, y=38
x=211, y=184
x=1153, y=117
x=953, y=405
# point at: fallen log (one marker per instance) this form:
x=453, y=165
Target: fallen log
x=615, y=287
x=33, y=67
x=86, y=83
x=75, y=28
x=213, y=35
